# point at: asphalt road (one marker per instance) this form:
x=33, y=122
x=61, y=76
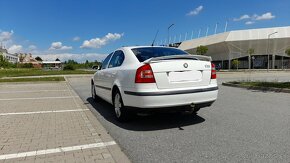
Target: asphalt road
x=241, y=126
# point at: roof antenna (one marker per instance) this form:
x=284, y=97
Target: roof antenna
x=155, y=38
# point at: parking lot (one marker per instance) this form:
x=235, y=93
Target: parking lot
x=48, y=122
x=59, y=122
x=242, y=126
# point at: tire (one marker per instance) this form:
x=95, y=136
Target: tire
x=93, y=92
x=121, y=113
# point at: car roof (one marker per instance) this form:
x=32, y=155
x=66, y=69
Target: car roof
x=132, y=47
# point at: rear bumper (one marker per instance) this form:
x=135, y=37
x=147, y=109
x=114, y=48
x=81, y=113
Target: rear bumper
x=171, y=109
x=174, y=98
x=165, y=93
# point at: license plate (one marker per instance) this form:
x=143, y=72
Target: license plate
x=185, y=76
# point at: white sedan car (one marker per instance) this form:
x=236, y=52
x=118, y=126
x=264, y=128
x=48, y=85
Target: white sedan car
x=151, y=78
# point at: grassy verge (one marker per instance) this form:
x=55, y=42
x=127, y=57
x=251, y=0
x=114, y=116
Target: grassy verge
x=265, y=84
x=38, y=72
x=33, y=79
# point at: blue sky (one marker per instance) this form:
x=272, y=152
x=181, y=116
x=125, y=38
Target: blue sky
x=89, y=29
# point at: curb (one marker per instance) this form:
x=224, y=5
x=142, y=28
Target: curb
x=272, y=89
x=31, y=82
x=41, y=76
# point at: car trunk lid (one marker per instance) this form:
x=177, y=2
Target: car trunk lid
x=180, y=71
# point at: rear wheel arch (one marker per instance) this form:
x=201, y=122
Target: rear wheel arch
x=121, y=112
x=93, y=90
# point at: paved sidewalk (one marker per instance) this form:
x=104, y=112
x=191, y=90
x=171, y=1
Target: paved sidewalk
x=48, y=122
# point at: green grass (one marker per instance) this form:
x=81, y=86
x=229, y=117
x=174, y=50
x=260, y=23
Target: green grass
x=33, y=79
x=265, y=84
x=38, y=72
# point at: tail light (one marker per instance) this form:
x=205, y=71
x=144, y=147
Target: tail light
x=144, y=74
x=213, y=71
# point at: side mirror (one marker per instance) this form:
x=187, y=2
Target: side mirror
x=100, y=67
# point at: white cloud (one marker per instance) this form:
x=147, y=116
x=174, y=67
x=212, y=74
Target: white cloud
x=196, y=11
x=15, y=49
x=77, y=57
x=255, y=17
x=249, y=22
x=266, y=16
x=59, y=46
x=32, y=47
x=5, y=36
x=77, y=38
x=242, y=17
x=99, y=42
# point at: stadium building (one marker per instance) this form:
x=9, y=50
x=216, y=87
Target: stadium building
x=234, y=45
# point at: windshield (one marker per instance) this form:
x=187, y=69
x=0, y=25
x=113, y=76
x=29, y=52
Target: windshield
x=145, y=53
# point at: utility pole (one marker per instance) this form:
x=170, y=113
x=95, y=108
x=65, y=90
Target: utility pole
x=191, y=35
x=174, y=39
x=168, y=32
x=199, y=33
x=226, y=26
x=215, y=28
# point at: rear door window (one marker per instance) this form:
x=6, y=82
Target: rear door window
x=145, y=53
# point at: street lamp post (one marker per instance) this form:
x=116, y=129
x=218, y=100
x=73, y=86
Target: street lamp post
x=168, y=33
x=269, y=35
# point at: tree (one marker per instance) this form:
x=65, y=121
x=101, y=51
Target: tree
x=287, y=51
x=71, y=61
x=250, y=52
x=236, y=63
x=38, y=59
x=3, y=62
x=201, y=50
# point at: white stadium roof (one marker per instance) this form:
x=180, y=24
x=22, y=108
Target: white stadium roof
x=234, y=44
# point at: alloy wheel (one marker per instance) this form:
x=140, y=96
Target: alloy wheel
x=117, y=105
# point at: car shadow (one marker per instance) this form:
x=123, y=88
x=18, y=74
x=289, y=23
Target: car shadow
x=157, y=121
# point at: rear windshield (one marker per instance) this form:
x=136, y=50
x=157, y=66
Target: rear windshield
x=148, y=52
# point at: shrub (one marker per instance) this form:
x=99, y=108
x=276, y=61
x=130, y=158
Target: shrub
x=69, y=67
x=25, y=65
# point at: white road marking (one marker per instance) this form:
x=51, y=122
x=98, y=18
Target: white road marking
x=56, y=150
x=38, y=91
x=43, y=112
x=37, y=98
